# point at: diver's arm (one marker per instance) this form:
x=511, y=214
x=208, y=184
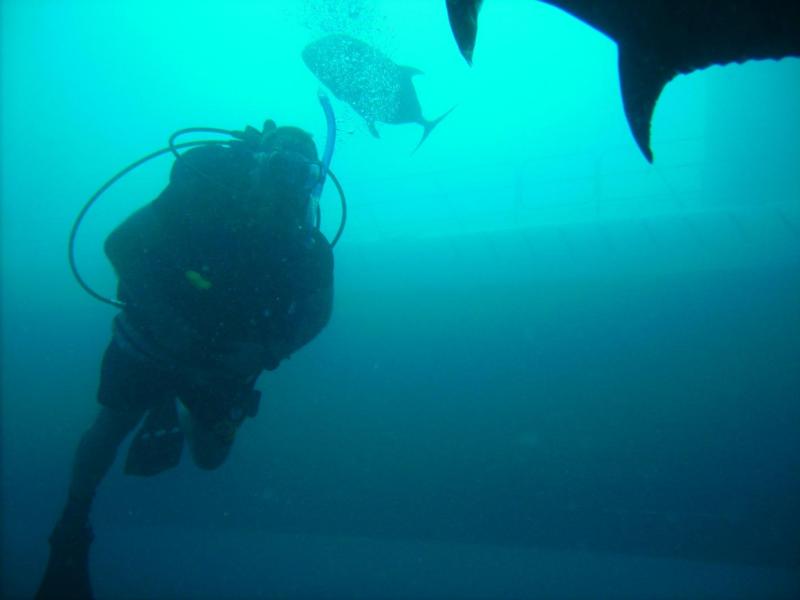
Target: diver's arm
x=309, y=316
x=313, y=313
x=312, y=307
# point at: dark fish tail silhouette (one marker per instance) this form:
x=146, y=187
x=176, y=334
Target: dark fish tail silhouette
x=659, y=39
x=429, y=125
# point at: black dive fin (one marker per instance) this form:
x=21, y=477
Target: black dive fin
x=67, y=573
x=158, y=443
x=429, y=125
x=641, y=81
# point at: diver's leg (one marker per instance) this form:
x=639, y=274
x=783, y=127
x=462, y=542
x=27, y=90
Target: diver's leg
x=67, y=573
x=212, y=415
x=96, y=453
x=209, y=443
x=125, y=387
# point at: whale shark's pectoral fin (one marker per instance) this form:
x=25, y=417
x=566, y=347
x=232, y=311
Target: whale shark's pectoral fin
x=642, y=77
x=373, y=130
x=411, y=71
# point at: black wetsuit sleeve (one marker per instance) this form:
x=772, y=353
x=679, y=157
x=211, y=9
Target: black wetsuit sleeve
x=311, y=311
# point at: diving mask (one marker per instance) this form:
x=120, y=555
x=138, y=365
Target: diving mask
x=285, y=180
x=289, y=172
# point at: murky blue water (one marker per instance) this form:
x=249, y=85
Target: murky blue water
x=553, y=369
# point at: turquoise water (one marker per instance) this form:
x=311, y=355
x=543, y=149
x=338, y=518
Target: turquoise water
x=553, y=369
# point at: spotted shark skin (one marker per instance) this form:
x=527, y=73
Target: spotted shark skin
x=376, y=87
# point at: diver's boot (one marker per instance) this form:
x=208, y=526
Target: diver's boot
x=67, y=573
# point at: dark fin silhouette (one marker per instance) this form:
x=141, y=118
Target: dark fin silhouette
x=641, y=83
x=158, y=443
x=373, y=130
x=659, y=39
x=429, y=125
x=463, y=15
x=411, y=71
x=67, y=572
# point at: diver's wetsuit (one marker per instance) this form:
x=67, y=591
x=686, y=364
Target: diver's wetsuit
x=213, y=298
x=221, y=278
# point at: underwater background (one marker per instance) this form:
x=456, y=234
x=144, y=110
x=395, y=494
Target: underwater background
x=553, y=369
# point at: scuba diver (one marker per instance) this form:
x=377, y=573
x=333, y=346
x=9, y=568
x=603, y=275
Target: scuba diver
x=224, y=275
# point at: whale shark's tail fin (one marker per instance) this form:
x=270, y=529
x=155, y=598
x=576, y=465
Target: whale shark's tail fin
x=428, y=127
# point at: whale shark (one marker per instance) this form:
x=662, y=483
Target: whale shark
x=660, y=39
x=376, y=87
